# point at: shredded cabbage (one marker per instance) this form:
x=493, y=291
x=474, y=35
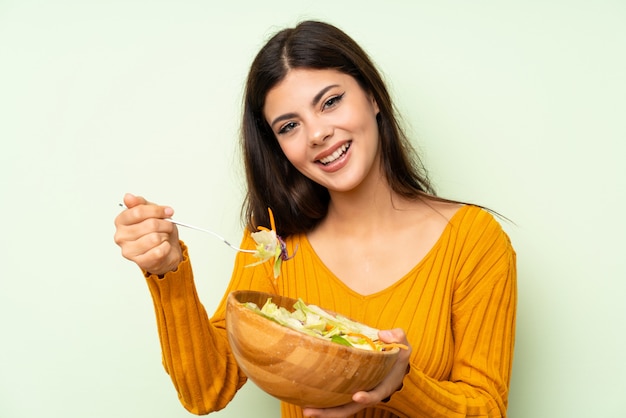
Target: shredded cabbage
x=314, y=321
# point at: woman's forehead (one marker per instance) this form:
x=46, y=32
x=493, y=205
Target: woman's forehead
x=303, y=85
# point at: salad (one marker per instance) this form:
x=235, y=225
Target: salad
x=314, y=321
x=270, y=246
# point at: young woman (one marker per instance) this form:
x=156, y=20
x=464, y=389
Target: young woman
x=323, y=149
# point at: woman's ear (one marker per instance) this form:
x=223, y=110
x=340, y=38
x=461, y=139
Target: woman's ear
x=374, y=105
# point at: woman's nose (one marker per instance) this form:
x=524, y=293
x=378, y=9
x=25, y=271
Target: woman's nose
x=319, y=132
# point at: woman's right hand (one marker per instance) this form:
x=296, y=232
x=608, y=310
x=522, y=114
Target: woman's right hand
x=146, y=238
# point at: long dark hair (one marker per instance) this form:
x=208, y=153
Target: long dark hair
x=297, y=202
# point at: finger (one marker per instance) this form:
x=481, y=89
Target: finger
x=154, y=253
x=396, y=335
x=158, y=260
x=131, y=200
x=150, y=210
x=336, y=412
x=135, y=248
x=142, y=212
x=134, y=231
x=137, y=239
x=370, y=398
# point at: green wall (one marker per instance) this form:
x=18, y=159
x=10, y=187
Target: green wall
x=519, y=106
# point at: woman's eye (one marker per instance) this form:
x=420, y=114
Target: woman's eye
x=333, y=101
x=287, y=127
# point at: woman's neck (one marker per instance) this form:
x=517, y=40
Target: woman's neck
x=364, y=208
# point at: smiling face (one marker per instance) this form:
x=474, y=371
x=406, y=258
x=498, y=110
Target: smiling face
x=325, y=123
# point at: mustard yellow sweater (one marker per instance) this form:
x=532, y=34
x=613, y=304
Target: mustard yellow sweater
x=457, y=307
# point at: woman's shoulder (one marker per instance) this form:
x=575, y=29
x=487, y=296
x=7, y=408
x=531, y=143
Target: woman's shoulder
x=478, y=227
x=444, y=208
x=474, y=216
x=466, y=222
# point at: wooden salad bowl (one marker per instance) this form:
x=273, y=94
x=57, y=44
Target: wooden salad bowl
x=295, y=367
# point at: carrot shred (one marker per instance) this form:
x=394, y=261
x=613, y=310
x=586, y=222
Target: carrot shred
x=389, y=346
x=272, y=224
x=366, y=338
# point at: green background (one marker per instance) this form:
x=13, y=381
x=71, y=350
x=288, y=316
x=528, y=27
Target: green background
x=519, y=106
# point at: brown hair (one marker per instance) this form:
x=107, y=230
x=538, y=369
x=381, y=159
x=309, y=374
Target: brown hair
x=297, y=202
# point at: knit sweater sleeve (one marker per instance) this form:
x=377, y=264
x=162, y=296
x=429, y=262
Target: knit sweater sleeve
x=483, y=306
x=195, y=349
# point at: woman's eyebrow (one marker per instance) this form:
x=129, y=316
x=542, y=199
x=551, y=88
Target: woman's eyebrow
x=315, y=100
x=321, y=93
x=281, y=118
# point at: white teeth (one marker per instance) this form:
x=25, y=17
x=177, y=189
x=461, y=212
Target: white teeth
x=338, y=153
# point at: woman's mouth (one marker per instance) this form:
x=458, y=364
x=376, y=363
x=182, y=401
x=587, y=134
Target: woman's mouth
x=335, y=155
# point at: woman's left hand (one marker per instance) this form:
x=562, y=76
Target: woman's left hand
x=386, y=388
